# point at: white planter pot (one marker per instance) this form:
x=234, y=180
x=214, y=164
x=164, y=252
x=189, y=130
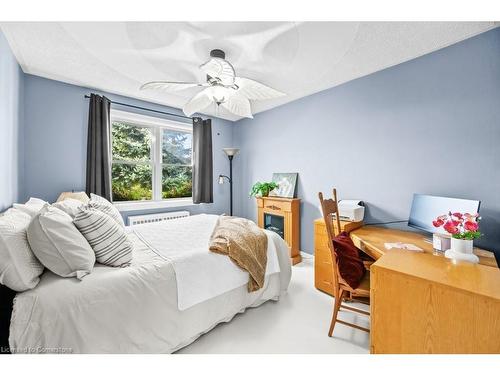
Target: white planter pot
x=461, y=246
x=462, y=250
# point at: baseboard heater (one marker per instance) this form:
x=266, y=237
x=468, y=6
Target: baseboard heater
x=153, y=218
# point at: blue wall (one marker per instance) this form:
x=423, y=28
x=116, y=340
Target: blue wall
x=430, y=125
x=11, y=131
x=56, y=117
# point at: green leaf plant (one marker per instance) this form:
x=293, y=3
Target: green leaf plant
x=262, y=189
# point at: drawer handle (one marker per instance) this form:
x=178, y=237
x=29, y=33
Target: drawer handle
x=273, y=207
x=326, y=282
x=329, y=263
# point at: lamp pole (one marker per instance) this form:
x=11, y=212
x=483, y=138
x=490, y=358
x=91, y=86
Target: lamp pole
x=230, y=184
x=230, y=152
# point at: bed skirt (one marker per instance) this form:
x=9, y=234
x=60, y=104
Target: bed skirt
x=6, y=302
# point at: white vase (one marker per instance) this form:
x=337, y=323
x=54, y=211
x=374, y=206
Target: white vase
x=461, y=250
x=461, y=246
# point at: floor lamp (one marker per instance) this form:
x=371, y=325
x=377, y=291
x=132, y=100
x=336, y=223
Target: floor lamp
x=230, y=152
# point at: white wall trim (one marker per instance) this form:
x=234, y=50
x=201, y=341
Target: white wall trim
x=306, y=255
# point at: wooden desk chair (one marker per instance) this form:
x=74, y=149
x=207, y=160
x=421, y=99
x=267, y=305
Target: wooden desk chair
x=341, y=289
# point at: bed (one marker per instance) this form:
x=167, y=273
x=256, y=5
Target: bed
x=137, y=309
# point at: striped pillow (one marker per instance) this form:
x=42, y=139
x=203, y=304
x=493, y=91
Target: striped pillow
x=107, y=238
x=102, y=204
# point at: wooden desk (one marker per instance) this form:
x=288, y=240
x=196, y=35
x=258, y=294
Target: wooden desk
x=371, y=239
x=421, y=303
x=426, y=304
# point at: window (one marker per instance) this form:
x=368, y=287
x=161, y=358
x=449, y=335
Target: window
x=152, y=158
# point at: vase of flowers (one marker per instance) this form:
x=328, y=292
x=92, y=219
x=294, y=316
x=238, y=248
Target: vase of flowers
x=464, y=229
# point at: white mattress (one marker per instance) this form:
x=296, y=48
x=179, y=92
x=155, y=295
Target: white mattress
x=127, y=310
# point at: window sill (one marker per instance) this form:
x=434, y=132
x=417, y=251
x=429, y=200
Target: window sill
x=151, y=205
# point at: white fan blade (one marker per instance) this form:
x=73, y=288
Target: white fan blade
x=221, y=69
x=197, y=103
x=254, y=90
x=239, y=105
x=170, y=86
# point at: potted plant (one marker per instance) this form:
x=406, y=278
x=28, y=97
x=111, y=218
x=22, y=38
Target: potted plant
x=464, y=229
x=262, y=189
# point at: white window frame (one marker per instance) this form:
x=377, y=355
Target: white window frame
x=156, y=124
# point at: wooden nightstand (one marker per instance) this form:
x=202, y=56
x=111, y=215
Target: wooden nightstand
x=323, y=268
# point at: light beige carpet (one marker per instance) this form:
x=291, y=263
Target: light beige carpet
x=298, y=323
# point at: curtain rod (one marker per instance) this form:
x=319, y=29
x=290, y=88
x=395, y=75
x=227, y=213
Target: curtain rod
x=145, y=109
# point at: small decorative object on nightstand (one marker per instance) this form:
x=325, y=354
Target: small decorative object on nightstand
x=282, y=215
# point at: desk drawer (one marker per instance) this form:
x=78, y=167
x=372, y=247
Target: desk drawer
x=323, y=272
x=323, y=254
x=320, y=241
x=323, y=275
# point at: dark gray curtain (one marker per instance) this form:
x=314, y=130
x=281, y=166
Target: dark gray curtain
x=99, y=147
x=202, y=163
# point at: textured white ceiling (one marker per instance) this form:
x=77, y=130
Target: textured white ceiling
x=296, y=58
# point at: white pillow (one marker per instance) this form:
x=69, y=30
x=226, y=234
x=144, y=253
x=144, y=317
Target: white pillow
x=102, y=204
x=108, y=238
x=31, y=207
x=79, y=195
x=19, y=268
x=69, y=205
x=58, y=244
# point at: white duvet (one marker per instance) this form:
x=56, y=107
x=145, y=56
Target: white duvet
x=133, y=309
x=200, y=274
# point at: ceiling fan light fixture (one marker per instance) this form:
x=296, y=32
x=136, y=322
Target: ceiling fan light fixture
x=222, y=87
x=218, y=93
x=218, y=53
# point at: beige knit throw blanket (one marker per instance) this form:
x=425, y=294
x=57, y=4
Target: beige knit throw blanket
x=245, y=244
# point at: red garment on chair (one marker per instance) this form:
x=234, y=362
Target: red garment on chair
x=351, y=267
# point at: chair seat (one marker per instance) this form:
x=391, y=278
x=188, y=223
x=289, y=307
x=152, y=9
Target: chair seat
x=363, y=290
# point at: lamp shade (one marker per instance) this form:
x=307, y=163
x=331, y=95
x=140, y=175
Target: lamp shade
x=231, y=151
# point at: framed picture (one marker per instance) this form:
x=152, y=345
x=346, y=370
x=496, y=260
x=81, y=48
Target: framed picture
x=287, y=185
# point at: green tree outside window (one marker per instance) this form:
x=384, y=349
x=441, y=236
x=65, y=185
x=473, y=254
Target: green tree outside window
x=132, y=170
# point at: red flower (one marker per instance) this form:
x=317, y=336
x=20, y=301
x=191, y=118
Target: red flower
x=458, y=215
x=469, y=216
x=437, y=223
x=450, y=227
x=471, y=226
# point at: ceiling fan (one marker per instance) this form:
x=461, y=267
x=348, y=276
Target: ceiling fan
x=222, y=87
